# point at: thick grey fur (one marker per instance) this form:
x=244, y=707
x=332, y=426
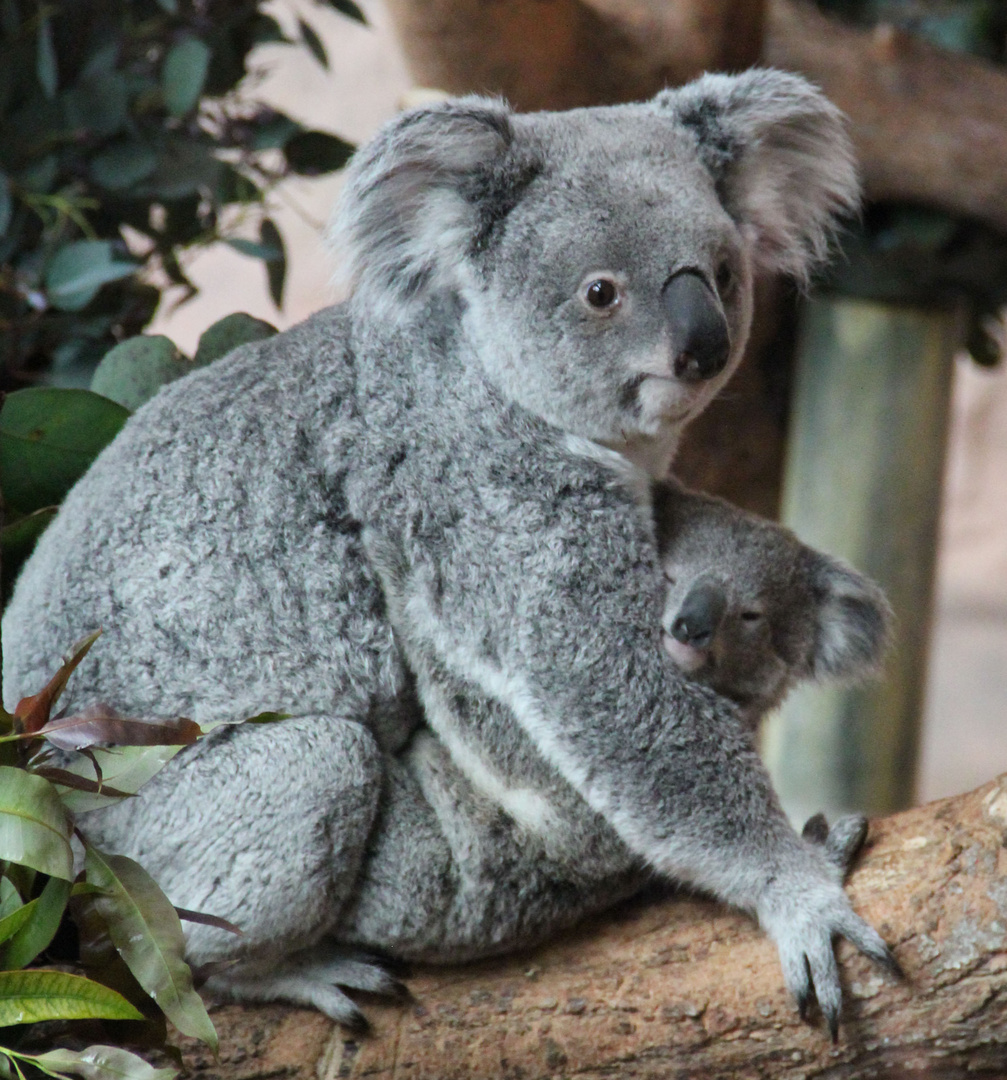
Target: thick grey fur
x=451, y=469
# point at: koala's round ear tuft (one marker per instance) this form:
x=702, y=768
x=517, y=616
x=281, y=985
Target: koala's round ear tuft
x=853, y=622
x=403, y=224
x=781, y=156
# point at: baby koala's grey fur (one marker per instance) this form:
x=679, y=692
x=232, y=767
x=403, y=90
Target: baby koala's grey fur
x=453, y=467
x=749, y=609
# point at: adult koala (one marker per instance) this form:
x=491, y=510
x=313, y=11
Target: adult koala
x=457, y=457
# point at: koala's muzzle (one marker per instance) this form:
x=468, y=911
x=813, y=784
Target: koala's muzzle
x=700, y=615
x=700, y=343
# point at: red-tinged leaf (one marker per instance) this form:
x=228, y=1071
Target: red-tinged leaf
x=32, y=712
x=99, y=725
x=80, y=783
x=208, y=920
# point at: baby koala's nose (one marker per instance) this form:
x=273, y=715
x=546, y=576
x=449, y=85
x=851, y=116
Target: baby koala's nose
x=700, y=615
x=700, y=343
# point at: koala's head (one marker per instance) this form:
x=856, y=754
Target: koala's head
x=749, y=609
x=603, y=257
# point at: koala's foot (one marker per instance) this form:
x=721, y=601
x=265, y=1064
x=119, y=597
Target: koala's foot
x=805, y=909
x=315, y=977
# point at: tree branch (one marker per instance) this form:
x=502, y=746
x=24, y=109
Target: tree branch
x=676, y=986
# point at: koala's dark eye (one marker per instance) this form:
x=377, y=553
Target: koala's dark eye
x=725, y=278
x=751, y=616
x=601, y=293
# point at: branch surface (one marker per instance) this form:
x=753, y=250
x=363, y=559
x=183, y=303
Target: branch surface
x=676, y=986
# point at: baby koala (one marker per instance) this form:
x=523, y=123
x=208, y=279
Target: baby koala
x=750, y=610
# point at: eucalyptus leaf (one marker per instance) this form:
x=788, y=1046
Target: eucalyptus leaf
x=183, y=75
x=349, y=8
x=228, y=333
x=313, y=42
x=98, y=103
x=79, y=269
x=312, y=153
x=125, y=768
x=253, y=249
x=27, y=997
x=19, y=537
x=147, y=934
x=123, y=165
x=35, y=829
x=273, y=130
x=276, y=269
x=45, y=58
x=102, y=1063
x=48, y=438
x=134, y=371
x=12, y=923
x=40, y=928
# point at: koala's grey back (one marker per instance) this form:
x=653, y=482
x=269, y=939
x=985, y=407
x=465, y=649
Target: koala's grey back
x=205, y=543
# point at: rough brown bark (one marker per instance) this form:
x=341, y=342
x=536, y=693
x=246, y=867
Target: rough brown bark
x=669, y=987
x=929, y=125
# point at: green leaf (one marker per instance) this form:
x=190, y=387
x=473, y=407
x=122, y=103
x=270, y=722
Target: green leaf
x=147, y=934
x=272, y=130
x=98, y=104
x=314, y=43
x=10, y=924
x=45, y=59
x=311, y=153
x=254, y=250
x=267, y=718
x=102, y=1063
x=276, y=269
x=122, y=165
x=27, y=997
x=10, y=898
x=18, y=538
x=125, y=768
x=41, y=927
x=35, y=829
x=185, y=166
x=348, y=8
x=48, y=438
x=6, y=203
x=135, y=369
x=78, y=270
x=184, y=74
x=227, y=334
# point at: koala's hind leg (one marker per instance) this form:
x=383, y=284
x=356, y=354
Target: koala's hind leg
x=263, y=825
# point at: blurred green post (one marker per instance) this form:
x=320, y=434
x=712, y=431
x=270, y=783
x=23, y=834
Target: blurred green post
x=863, y=481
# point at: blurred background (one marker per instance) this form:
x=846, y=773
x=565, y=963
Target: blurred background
x=926, y=88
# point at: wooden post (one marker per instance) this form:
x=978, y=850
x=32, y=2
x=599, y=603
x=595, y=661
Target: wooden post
x=865, y=463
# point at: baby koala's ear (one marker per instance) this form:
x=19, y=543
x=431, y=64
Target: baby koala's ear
x=853, y=621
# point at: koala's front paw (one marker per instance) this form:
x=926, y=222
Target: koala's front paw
x=804, y=910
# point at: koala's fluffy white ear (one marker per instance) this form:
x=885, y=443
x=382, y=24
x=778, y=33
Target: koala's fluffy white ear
x=781, y=156
x=403, y=224
x=853, y=623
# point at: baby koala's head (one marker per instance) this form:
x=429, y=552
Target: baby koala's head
x=750, y=610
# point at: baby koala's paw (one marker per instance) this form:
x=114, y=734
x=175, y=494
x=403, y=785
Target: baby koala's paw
x=804, y=909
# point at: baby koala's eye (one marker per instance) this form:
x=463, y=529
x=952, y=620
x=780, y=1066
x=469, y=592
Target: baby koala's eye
x=751, y=616
x=602, y=293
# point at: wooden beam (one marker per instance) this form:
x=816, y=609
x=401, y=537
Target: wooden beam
x=675, y=986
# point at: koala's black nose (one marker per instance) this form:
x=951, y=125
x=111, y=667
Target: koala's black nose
x=699, y=339
x=699, y=617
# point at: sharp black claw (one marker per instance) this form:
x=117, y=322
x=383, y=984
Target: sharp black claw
x=357, y=1024
x=804, y=1004
x=400, y=992
x=833, y=1021
x=816, y=829
x=888, y=961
